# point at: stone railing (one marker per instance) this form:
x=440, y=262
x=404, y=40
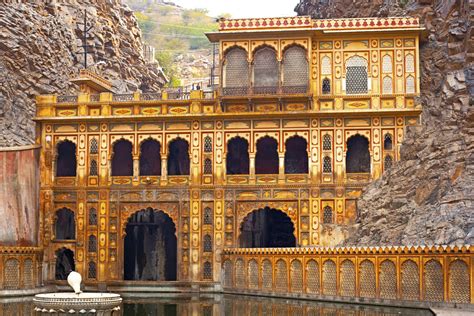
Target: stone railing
x=20, y=269
x=416, y=276
x=267, y=90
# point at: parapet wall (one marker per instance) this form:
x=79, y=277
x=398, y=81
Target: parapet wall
x=403, y=276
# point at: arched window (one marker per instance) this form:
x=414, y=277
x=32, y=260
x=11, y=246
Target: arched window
x=266, y=159
x=387, y=162
x=356, y=75
x=65, y=225
x=326, y=86
x=150, y=158
x=92, y=244
x=207, y=274
x=64, y=263
x=327, y=166
x=387, y=64
x=358, y=155
x=92, y=271
x=265, y=71
x=207, y=243
x=207, y=218
x=326, y=67
x=387, y=85
x=237, y=159
x=410, y=84
x=207, y=144
x=207, y=166
x=122, y=159
x=92, y=216
x=178, y=157
x=94, y=148
x=327, y=143
x=387, y=142
x=66, y=161
x=409, y=63
x=295, y=69
x=236, y=72
x=93, y=168
x=327, y=215
x=296, y=155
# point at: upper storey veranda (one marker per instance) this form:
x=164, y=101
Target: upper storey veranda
x=280, y=66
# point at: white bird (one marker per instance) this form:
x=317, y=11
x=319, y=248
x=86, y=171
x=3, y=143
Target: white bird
x=74, y=279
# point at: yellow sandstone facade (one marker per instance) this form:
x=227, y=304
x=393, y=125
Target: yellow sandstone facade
x=306, y=114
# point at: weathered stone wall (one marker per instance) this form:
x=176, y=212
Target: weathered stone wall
x=39, y=42
x=428, y=197
x=19, y=196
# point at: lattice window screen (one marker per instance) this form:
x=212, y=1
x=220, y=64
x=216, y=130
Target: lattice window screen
x=267, y=277
x=94, y=148
x=356, y=75
x=295, y=67
x=459, y=282
x=329, y=278
x=28, y=276
x=92, y=216
x=11, y=274
x=410, y=84
x=253, y=274
x=327, y=168
x=387, y=85
x=207, y=271
x=327, y=215
x=296, y=275
x=281, y=273
x=239, y=273
x=312, y=277
x=92, y=243
x=367, y=279
x=92, y=270
x=327, y=144
x=93, y=168
x=409, y=63
x=326, y=67
x=236, y=68
x=410, y=281
x=348, y=278
x=207, y=144
x=387, y=64
x=265, y=68
x=433, y=281
x=207, y=243
x=387, y=142
x=326, y=86
x=207, y=218
x=207, y=166
x=388, y=162
x=388, y=280
x=227, y=273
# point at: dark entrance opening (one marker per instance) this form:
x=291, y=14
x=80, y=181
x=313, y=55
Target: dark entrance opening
x=178, y=158
x=150, y=158
x=122, y=159
x=66, y=161
x=296, y=155
x=267, y=227
x=150, y=247
x=237, y=161
x=266, y=159
x=64, y=263
x=65, y=225
x=358, y=155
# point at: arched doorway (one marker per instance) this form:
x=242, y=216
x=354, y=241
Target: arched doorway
x=178, y=157
x=266, y=159
x=64, y=263
x=150, y=247
x=237, y=161
x=122, y=158
x=296, y=155
x=358, y=155
x=266, y=228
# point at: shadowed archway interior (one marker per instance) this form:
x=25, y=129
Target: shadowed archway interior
x=178, y=157
x=150, y=247
x=66, y=161
x=358, y=155
x=237, y=161
x=267, y=227
x=296, y=155
x=150, y=158
x=122, y=159
x=266, y=159
x=64, y=263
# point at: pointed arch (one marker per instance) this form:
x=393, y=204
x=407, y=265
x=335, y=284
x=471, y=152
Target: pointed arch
x=237, y=158
x=387, y=85
x=64, y=263
x=296, y=155
x=178, y=157
x=65, y=224
x=122, y=158
x=235, y=71
x=295, y=68
x=150, y=158
x=410, y=84
x=265, y=70
x=266, y=159
x=356, y=75
x=358, y=154
x=66, y=161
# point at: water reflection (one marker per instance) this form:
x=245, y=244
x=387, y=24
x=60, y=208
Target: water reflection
x=228, y=305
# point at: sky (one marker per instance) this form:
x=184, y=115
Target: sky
x=243, y=8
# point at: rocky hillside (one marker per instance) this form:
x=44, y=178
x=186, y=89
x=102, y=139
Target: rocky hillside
x=38, y=53
x=428, y=197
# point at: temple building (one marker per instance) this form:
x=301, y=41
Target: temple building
x=154, y=186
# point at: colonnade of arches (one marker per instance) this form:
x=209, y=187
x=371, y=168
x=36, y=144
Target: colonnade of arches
x=267, y=159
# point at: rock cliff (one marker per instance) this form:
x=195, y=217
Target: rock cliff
x=39, y=45
x=427, y=197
